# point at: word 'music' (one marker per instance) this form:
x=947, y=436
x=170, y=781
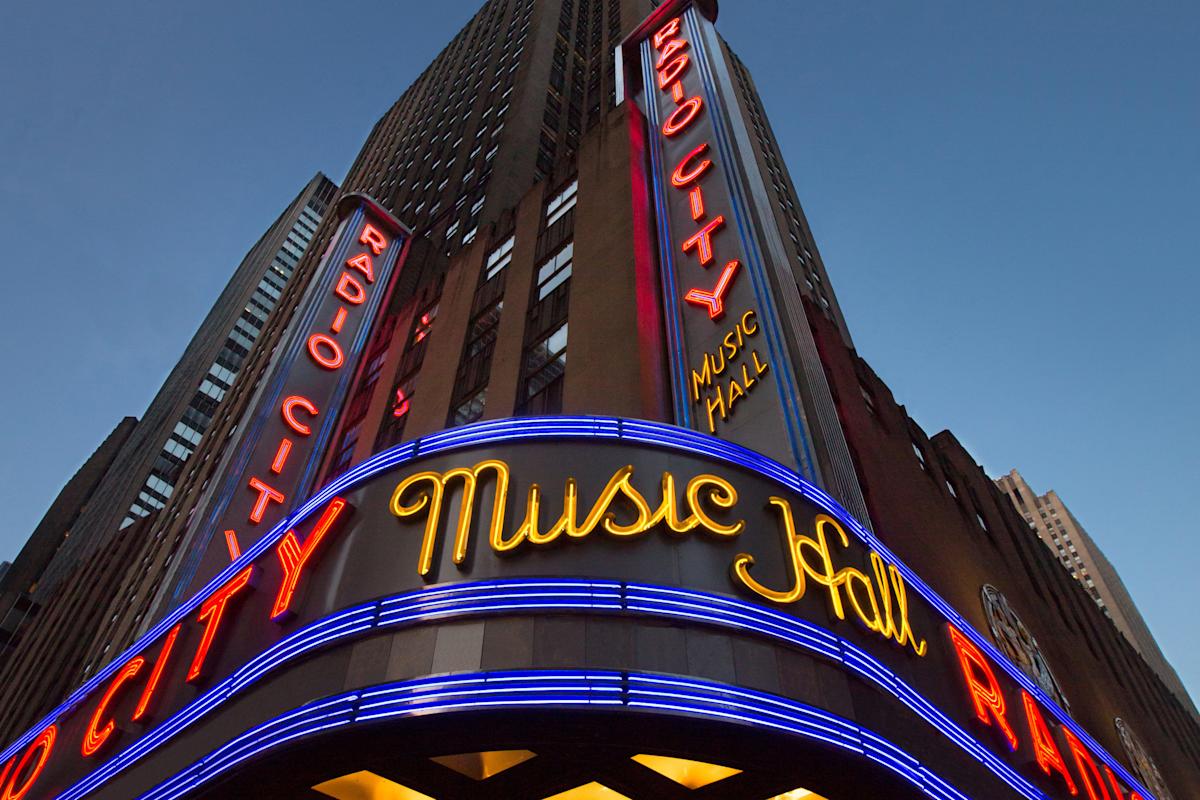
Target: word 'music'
x=878, y=600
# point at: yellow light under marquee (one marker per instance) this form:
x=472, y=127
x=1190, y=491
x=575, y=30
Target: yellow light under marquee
x=589, y=791
x=366, y=785
x=481, y=766
x=692, y=774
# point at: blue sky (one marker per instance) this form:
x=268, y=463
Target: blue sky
x=1007, y=198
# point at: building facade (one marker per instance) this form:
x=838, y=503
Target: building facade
x=554, y=473
x=1048, y=516
x=133, y=475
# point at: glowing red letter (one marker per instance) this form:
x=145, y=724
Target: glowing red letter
x=672, y=71
x=42, y=745
x=349, y=289
x=148, y=693
x=318, y=343
x=1044, y=747
x=1116, y=787
x=362, y=263
x=673, y=47
x=265, y=495
x=985, y=693
x=373, y=239
x=714, y=300
x=682, y=116
x=93, y=738
x=289, y=413
x=1083, y=760
x=294, y=557
x=681, y=177
x=210, y=613
x=701, y=240
x=666, y=32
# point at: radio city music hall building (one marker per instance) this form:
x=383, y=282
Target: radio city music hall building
x=554, y=473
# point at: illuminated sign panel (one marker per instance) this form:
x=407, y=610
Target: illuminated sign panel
x=277, y=455
x=666, y=524
x=732, y=375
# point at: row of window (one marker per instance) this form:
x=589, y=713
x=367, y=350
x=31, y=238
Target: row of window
x=784, y=193
x=197, y=417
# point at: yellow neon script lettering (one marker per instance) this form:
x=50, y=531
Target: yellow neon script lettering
x=880, y=604
x=432, y=499
x=702, y=492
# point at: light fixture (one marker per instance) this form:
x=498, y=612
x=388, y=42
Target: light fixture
x=589, y=791
x=482, y=766
x=367, y=785
x=692, y=774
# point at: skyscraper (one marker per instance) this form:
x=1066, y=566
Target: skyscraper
x=1048, y=516
x=143, y=477
x=554, y=473
x=133, y=475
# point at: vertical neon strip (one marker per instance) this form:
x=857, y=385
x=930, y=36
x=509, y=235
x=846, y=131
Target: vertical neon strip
x=784, y=382
x=666, y=255
x=299, y=327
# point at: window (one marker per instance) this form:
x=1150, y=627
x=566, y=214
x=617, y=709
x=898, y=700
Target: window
x=555, y=271
x=561, y=203
x=469, y=410
x=498, y=259
x=545, y=365
x=920, y=456
x=869, y=399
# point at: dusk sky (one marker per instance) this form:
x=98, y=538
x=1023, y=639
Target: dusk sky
x=1007, y=198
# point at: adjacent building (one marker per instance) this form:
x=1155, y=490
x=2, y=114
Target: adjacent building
x=1048, y=516
x=21, y=578
x=131, y=477
x=553, y=473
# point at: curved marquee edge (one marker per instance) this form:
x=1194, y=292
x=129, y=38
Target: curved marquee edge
x=516, y=596
x=586, y=428
x=558, y=689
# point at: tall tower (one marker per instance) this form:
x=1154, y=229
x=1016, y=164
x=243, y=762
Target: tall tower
x=1057, y=528
x=120, y=491
x=142, y=479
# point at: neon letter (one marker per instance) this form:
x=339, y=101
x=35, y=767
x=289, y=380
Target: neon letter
x=42, y=745
x=666, y=32
x=1043, y=743
x=1116, y=787
x=673, y=47
x=682, y=116
x=714, y=300
x=672, y=71
x=148, y=693
x=696, y=198
x=294, y=556
x=350, y=289
x=211, y=612
x=93, y=738
x=701, y=240
x=335, y=358
x=681, y=177
x=281, y=455
x=362, y=263
x=289, y=414
x=265, y=495
x=373, y=239
x=986, y=695
x=1083, y=760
